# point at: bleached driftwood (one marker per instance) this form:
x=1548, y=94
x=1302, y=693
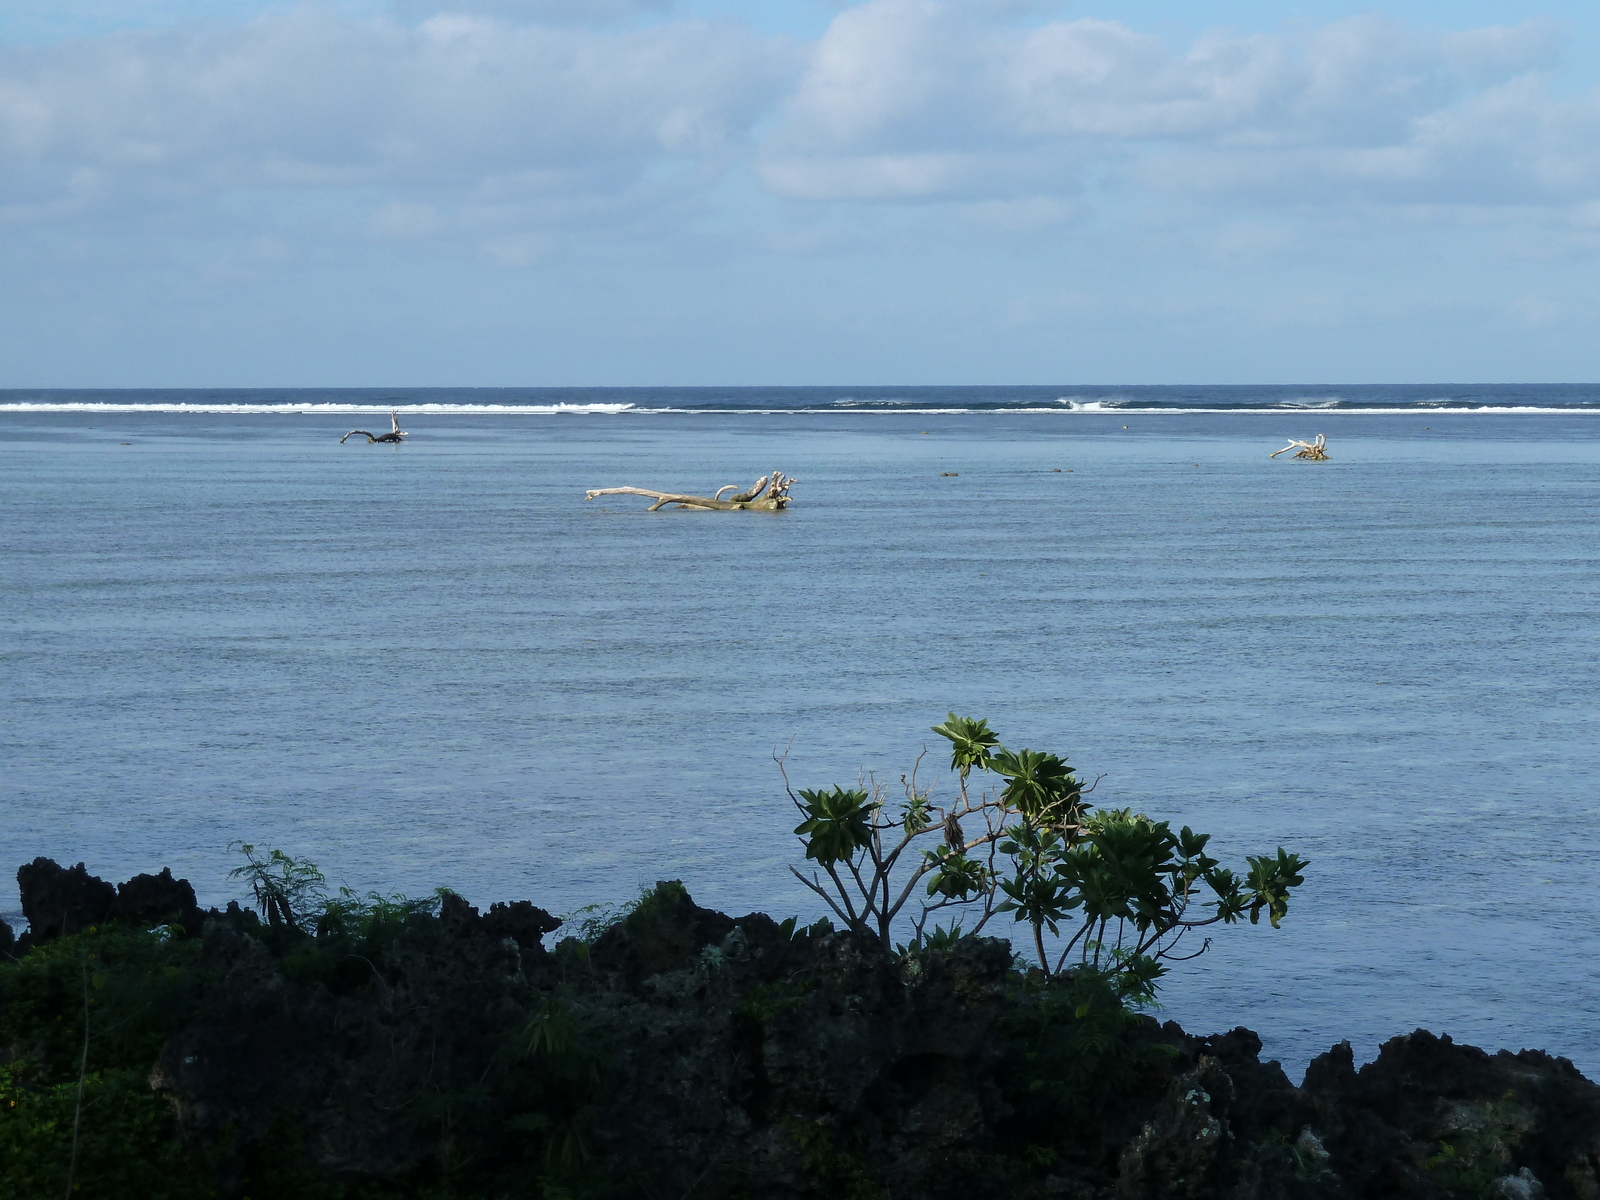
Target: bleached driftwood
x=394, y=435
x=769, y=493
x=1316, y=451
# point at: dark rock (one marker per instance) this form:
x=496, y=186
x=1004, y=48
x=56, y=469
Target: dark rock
x=1431, y=1118
x=239, y=920
x=522, y=922
x=688, y=1053
x=59, y=900
x=1265, y=1105
x=8, y=940
x=663, y=933
x=260, y=1040
x=458, y=918
x=757, y=1055
x=1182, y=1151
x=1333, y=1073
x=733, y=1054
x=146, y=901
x=431, y=1017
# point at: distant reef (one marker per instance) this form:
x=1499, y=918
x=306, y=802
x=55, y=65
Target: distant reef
x=384, y=1048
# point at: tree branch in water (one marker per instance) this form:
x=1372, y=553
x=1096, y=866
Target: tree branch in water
x=769, y=493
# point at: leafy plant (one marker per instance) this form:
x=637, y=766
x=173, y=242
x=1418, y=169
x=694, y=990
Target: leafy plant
x=366, y=917
x=558, y=1101
x=1075, y=1055
x=859, y=847
x=286, y=890
x=1110, y=893
x=82, y=1017
x=829, y=1168
x=129, y=1145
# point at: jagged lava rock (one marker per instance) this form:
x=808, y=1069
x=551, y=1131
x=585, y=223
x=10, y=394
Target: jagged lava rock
x=689, y=1053
x=1429, y=1118
x=59, y=900
x=146, y=901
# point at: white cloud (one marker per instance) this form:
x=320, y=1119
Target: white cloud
x=932, y=99
x=501, y=131
x=467, y=107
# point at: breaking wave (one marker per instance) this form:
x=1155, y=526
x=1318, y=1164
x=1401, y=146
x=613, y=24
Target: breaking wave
x=332, y=408
x=1084, y=403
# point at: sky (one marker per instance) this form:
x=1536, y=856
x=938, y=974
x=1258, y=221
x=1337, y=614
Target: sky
x=241, y=193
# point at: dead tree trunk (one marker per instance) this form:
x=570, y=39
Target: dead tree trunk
x=395, y=434
x=769, y=493
x=1316, y=451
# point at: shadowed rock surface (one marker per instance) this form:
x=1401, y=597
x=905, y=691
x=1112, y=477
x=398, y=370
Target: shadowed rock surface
x=60, y=900
x=149, y=900
x=683, y=1052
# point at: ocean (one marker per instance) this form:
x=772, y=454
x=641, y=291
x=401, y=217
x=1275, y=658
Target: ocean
x=435, y=664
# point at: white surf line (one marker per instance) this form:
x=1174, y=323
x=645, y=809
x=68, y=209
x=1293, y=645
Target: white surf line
x=600, y=409
x=313, y=410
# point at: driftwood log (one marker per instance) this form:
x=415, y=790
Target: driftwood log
x=395, y=433
x=1316, y=451
x=769, y=493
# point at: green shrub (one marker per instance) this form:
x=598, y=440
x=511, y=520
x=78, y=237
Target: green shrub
x=1075, y=1055
x=1108, y=895
x=128, y=1144
x=136, y=989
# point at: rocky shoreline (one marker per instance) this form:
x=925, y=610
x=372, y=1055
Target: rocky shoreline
x=435, y=1050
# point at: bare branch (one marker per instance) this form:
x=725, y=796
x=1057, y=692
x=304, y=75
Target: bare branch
x=394, y=435
x=826, y=899
x=1314, y=451
x=770, y=496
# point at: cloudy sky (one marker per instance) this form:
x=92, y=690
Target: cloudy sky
x=528, y=192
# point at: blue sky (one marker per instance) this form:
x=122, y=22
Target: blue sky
x=526, y=192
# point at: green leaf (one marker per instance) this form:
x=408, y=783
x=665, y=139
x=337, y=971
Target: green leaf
x=915, y=818
x=1269, y=883
x=955, y=876
x=1039, y=786
x=837, y=824
x=971, y=741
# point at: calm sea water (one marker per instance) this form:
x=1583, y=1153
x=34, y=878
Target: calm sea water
x=435, y=664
